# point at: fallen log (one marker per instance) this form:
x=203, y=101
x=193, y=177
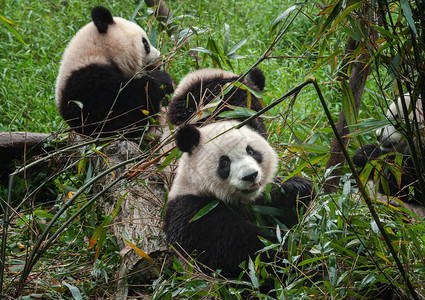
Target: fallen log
x=16, y=145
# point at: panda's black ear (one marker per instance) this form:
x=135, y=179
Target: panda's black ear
x=187, y=138
x=257, y=78
x=102, y=18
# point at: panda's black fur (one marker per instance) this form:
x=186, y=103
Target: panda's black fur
x=225, y=236
x=199, y=88
x=396, y=188
x=99, y=71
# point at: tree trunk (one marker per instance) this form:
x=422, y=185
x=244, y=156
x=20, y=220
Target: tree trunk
x=162, y=12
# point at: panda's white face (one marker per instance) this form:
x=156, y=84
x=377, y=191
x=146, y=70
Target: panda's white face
x=234, y=167
x=128, y=46
x=125, y=44
x=390, y=136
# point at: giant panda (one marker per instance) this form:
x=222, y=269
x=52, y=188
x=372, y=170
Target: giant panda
x=393, y=143
x=197, y=91
x=229, y=168
x=102, y=86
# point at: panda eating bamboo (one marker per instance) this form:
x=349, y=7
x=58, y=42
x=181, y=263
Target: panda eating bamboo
x=103, y=87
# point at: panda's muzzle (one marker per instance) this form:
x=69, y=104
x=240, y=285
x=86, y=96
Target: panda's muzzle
x=253, y=188
x=251, y=178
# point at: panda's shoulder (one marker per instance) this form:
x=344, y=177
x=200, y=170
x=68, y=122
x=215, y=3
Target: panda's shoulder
x=182, y=208
x=185, y=204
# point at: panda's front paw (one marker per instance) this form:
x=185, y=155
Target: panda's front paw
x=163, y=80
x=294, y=191
x=366, y=153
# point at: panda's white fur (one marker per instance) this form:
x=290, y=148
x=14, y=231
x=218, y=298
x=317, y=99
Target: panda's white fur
x=390, y=137
x=196, y=172
x=123, y=43
x=200, y=75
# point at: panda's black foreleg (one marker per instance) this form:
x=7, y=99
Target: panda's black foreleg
x=162, y=79
x=288, y=198
x=296, y=191
x=394, y=187
x=366, y=153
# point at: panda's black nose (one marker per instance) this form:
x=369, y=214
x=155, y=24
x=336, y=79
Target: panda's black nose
x=250, y=177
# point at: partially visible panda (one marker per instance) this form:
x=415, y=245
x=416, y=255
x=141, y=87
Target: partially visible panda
x=197, y=90
x=102, y=86
x=392, y=140
x=230, y=168
x=390, y=137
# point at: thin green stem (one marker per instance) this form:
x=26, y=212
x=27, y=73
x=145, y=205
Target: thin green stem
x=295, y=90
x=5, y=227
x=269, y=50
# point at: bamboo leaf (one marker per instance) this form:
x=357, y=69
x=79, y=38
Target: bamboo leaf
x=82, y=165
x=75, y=292
x=385, y=33
x=322, y=62
x=79, y=103
x=237, y=112
x=331, y=17
x=311, y=260
x=100, y=231
x=242, y=86
x=137, y=249
x=170, y=157
x=136, y=11
x=226, y=38
x=348, y=103
x=311, y=162
x=369, y=279
x=252, y=274
x=215, y=50
x=393, y=70
x=282, y=16
x=202, y=50
x=310, y=148
x=117, y=207
x=239, y=44
x=344, y=13
x=10, y=27
x=383, y=257
x=413, y=238
x=206, y=209
x=405, y=5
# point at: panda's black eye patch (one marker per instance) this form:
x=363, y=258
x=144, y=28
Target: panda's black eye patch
x=223, y=169
x=254, y=153
x=146, y=45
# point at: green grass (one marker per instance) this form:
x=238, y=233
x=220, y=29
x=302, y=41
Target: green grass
x=339, y=233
